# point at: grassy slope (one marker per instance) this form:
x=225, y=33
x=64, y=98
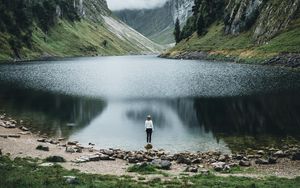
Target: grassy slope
x=27, y=173
x=70, y=39
x=240, y=46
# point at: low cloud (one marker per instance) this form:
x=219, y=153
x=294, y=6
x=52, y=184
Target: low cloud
x=134, y=4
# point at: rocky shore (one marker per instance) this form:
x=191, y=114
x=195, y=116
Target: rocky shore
x=17, y=141
x=291, y=60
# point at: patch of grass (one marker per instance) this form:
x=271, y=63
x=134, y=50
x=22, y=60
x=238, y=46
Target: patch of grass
x=240, y=48
x=143, y=169
x=26, y=173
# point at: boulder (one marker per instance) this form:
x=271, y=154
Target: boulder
x=42, y=148
x=82, y=159
x=244, y=163
x=148, y=146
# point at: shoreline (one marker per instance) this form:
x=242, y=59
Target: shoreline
x=18, y=141
x=284, y=60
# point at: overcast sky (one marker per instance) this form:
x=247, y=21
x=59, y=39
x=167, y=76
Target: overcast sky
x=134, y=4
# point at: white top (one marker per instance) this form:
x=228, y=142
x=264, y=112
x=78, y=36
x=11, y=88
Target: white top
x=149, y=125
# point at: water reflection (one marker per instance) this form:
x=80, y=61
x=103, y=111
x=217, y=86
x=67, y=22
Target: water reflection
x=52, y=114
x=181, y=124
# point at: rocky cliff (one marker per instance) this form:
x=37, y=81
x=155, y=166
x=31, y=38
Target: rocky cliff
x=31, y=29
x=158, y=23
x=242, y=30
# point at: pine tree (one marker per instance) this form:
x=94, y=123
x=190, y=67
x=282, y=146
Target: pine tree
x=177, y=31
x=200, y=25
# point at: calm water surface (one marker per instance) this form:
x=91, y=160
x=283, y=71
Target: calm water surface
x=105, y=100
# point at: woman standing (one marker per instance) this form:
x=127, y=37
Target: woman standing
x=149, y=128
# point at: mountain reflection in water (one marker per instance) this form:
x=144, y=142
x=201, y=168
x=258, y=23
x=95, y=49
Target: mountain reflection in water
x=180, y=124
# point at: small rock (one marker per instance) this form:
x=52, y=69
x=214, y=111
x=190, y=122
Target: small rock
x=279, y=153
x=196, y=161
x=296, y=156
x=94, y=158
x=104, y=157
x=272, y=160
x=204, y=171
x=162, y=164
x=91, y=144
x=191, y=169
x=72, y=143
x=46, y=164
x=183, y=160
x=71, y=179
x=218, y=166
x=24, y=133
x=43, y=148
x=14, y=136
x=41, y=140
x=260, y=152
x=245, y=163
x=61, y=139
x=24, y=129
x=4, y=136
x=107, y=152
x=70, y=150
x=262, y=161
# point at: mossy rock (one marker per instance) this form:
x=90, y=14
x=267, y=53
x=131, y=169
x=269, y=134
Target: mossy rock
x=148, y=146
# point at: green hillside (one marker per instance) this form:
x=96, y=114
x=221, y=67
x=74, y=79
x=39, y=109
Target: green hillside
x=47, y=28
x=241, y=31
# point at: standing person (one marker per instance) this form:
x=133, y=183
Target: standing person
x=149, y=128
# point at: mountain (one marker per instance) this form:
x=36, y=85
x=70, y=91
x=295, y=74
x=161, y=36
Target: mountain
x=158, y=23
x=31, y=29
x=243, y=31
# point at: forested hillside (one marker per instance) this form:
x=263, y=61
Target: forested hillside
x=241, y=30
x=41, y=28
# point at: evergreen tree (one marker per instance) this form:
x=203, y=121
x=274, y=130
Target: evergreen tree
x=177, y=31
x=200, y=25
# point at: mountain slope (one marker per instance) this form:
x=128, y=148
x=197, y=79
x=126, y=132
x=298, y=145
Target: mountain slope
x=32, y=29
x=242, y=30
x=158, y=23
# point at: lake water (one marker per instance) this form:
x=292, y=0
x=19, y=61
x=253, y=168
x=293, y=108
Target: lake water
x=196, y=105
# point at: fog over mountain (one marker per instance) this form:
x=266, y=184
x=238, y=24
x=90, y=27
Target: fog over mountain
x=134, y=4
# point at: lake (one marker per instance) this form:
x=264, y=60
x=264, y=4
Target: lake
x=195, y=105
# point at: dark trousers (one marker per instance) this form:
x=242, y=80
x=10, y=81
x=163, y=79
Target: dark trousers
x=149, y=134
